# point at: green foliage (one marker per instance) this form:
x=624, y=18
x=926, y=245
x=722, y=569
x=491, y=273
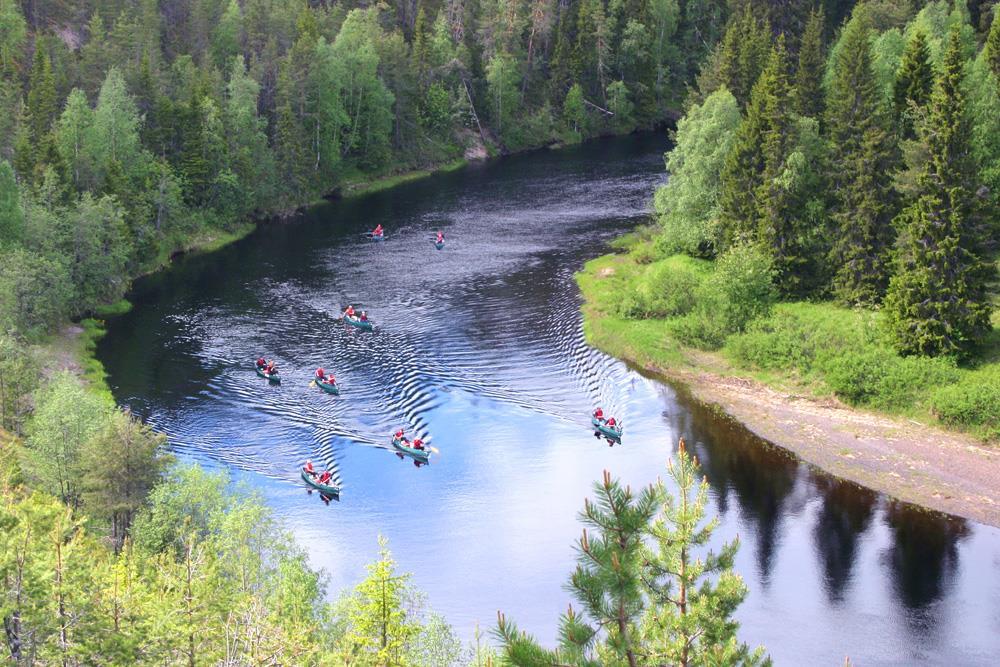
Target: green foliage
x=914, y=82
x=66, y=417
x=809, y=73
x=668, y=288
x=687, y=205
x=645, y=596
x=693, y=595
x=18, y=379
x=972, y=403
x=937, y=302
x=863, y=156
x=35, y=292
x=11, y=214
x=739, y=291
x=13, y=31
x=876, y=377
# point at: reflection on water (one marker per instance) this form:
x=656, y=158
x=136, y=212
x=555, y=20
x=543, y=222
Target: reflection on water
x=479, y=347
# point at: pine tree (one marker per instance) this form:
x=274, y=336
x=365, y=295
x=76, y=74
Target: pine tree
x=812, y=62
x=693, y=597
x=863, y=156
x=914, y=83
x=938, y=302
x=607, y=582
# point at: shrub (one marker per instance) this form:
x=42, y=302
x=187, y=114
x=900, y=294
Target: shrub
x=702, y=328
x=742, y=287
x=670, y=287
x=879, y=378
x=973, y=403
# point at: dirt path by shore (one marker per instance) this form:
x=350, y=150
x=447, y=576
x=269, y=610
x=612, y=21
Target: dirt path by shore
x=916, y=463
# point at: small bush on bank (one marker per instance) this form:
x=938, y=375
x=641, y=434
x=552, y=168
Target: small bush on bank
x=670, y=287
x=972, y=403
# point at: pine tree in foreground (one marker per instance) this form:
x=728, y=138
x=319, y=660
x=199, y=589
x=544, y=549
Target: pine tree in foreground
x=692, y=598
x=643, y=605
x=937, y=302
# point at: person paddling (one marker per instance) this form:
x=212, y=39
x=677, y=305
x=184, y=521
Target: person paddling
x=418, y=443
x=320, y=373
x=599, y=414
x=364, y=316
x=325, y=477
x=261, y=362
x=309, y=469
x=440, y=237
x=378, y=231
x=349, y=311
x=398, y=435
x=611, y=422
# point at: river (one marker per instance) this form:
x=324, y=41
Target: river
x=480, y=347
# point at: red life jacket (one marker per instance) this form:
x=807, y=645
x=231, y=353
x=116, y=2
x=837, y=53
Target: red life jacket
x=309, y=467
x=611, y=422
x=319, y=372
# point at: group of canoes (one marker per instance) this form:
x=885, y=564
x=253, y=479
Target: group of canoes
x=378, y=234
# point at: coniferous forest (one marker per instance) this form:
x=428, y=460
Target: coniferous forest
x=836, y=173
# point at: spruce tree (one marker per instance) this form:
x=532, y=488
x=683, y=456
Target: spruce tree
x=863, y=156
x=914, y=83
x=992, y=46
x=43, y=104
x=762, y=143
x=809, y=74
x=938, y=302
x=778, y=220
x=743, y=55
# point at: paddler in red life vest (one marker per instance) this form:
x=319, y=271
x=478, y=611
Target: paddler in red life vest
x=364, y=315
x=378, y=230
x=271, y=368
x=261, y=362
x=349, y=312
x=320, y=373
x=440, y=238
x=325, y=477
x=418, y=443
x=309, y=469
x=599, y=414
x=398, y=435
x=611, y=422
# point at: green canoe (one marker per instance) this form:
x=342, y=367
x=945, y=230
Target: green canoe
x=439, y=245
x=276, y=378
x=419, y=454
x=609, y=431
x=328, y=388
x=356, y=322
x=328, y=490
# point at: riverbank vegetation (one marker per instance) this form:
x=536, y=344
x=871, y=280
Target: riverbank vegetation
x=831, y=219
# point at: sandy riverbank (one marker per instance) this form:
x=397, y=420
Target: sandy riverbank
x=922, y=464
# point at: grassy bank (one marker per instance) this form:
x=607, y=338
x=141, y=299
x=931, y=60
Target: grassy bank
x=646, y=311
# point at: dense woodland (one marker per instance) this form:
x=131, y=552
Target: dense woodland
x=133, y=129
x=832, y=216
x=859, y=156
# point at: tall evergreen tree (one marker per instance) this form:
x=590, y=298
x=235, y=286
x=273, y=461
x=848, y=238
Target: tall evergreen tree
x=863, y=156
x=992, y=46
x=743, y=55
x=607, y=582
x=914, y=83
x=809, y=74
x=938, y=302
x=778, y=215
x=43, y=104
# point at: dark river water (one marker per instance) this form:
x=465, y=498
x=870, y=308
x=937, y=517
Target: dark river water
x=480, y=347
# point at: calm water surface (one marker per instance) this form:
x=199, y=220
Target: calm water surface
x=480, y=347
